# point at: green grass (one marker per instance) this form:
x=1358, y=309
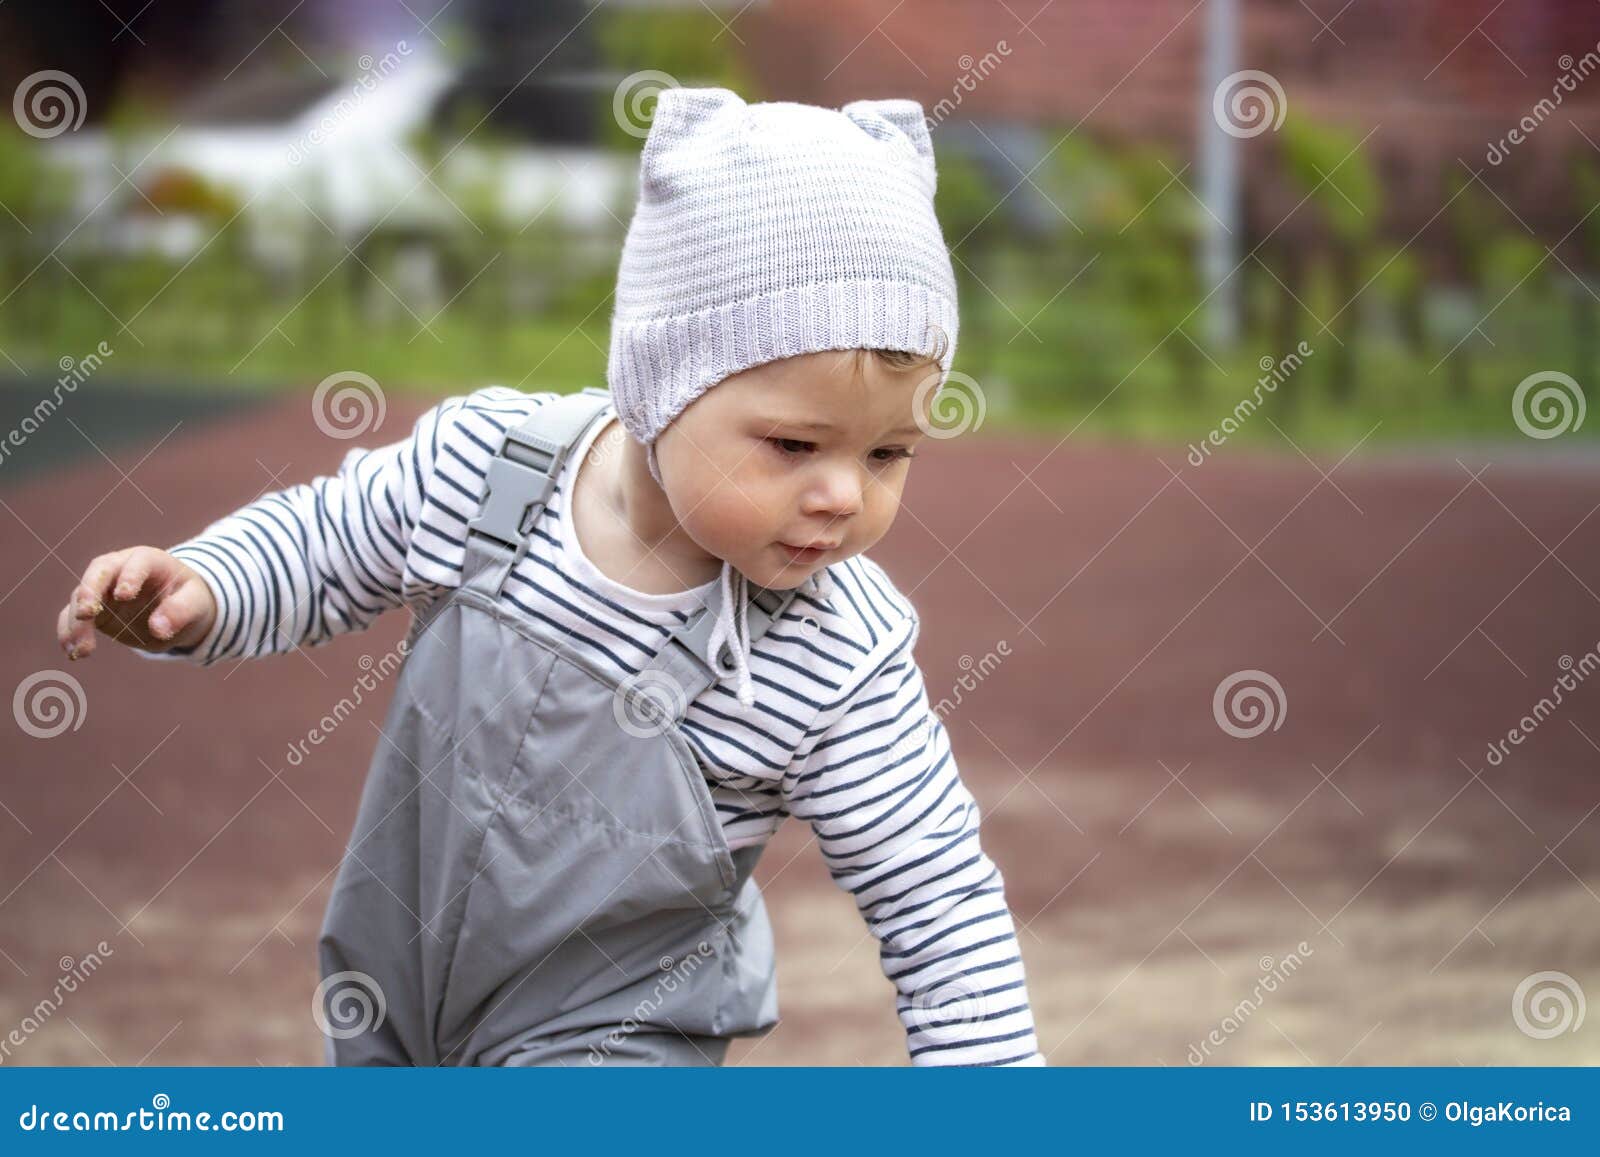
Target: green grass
x=1101, y=372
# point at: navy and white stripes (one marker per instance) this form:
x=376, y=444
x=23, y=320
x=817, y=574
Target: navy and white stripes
x=841, y=734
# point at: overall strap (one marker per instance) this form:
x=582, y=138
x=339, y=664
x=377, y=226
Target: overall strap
x=679, y=673
x=521, y=479
x=522, y=476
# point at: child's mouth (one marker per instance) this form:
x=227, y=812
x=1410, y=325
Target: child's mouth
x=804, y=554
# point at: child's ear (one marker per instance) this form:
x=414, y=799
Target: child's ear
x=678, y=115
x=891, y=119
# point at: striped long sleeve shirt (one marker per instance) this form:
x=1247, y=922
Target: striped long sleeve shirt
x=841, y=735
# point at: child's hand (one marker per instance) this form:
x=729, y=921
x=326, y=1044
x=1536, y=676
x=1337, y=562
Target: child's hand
x=140, y=596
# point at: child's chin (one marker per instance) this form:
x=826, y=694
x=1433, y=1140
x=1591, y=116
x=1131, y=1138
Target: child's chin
x=792, y=576
x=782, y=578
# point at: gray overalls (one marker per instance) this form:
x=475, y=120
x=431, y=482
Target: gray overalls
x=537, y=875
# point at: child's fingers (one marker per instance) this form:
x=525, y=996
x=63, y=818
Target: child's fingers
x=75, y=634
x=93, y=589
x=135, y=570
x=76, y=625
x=177, y=609
x=141, y=597
x=66, y=626
x=115, y=596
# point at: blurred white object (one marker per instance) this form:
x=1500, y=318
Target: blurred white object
x=332, y=173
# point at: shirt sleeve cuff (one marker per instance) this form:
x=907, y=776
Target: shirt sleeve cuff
x=1033, y=1062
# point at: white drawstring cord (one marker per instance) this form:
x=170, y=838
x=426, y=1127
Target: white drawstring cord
x=733, y=627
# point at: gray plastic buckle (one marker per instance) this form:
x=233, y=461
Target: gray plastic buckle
x=764, y=608
x=521, y=479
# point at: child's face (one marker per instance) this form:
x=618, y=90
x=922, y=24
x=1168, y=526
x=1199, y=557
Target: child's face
x=809, y=450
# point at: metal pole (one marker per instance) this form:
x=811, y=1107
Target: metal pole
x=1218, y=162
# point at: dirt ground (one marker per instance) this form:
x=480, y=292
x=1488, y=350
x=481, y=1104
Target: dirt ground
x=1413, y=609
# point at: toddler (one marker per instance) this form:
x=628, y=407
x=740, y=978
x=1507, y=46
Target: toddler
x=644, y=632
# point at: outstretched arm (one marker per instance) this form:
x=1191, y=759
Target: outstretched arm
x=899, y=832
x=316, y=559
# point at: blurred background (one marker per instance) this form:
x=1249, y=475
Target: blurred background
x=1272, y=513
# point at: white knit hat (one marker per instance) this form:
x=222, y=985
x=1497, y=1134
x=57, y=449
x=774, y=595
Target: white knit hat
x=765, y=231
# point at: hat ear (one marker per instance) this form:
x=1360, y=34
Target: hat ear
x=678, y=114
x=888, y=120
x=678, y=107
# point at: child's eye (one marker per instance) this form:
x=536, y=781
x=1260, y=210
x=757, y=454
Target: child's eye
x=793, y=447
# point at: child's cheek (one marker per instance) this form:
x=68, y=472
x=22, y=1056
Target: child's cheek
x=743, y=517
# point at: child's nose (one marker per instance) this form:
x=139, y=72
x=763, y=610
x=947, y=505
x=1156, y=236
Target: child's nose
x=836, y=491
